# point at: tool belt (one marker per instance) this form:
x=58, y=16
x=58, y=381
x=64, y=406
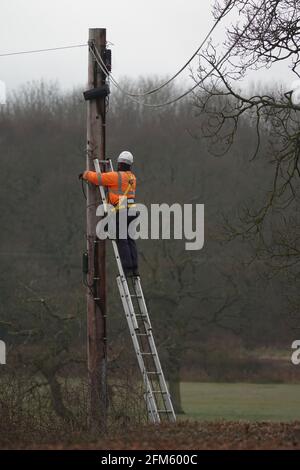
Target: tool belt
x=119, y=206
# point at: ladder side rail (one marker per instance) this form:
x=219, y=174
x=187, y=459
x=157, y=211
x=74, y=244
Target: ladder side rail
x=146, y=348
x=162, y=381
x=101, y=188
x=150, y=400
x=141, y=301
x=125, y=285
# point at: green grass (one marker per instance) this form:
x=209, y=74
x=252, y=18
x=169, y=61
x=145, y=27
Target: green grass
x=241, y=401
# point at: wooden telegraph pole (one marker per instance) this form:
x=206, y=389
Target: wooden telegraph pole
x=96, y=277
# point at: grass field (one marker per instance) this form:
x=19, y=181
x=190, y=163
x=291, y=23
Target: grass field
x=241, y=401
x=218, y=416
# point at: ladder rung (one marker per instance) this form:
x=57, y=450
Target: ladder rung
x=136, y=296
x=164, y=411
x=148, y=354
x=160, y=391
x=142, y=334
x=158, y=373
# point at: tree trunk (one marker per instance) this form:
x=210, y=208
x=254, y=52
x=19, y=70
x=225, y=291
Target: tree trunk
x=57, y=398
x=174, y=387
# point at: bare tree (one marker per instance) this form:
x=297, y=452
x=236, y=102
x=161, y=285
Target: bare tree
x=43, y=346
x=266, y=32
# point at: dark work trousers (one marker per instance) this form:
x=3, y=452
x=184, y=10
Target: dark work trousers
x=127, y=247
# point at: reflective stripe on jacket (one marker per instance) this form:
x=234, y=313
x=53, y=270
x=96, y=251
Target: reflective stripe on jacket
x=119, y=184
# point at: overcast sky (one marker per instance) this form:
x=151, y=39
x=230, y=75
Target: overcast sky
x=154, y=37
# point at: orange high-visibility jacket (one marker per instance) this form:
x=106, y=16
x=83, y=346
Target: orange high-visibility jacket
x=119, y=184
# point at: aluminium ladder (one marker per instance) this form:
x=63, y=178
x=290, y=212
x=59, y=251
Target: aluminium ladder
x=156, y=394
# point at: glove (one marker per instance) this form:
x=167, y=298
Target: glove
x=80, y=176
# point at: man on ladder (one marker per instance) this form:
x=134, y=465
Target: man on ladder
x=121, y=188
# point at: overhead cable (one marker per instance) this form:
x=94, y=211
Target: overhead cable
x=163, y=85
x=101, y=64
x=6, y=54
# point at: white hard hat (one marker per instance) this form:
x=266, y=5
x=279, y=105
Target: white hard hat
x=125, y=157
